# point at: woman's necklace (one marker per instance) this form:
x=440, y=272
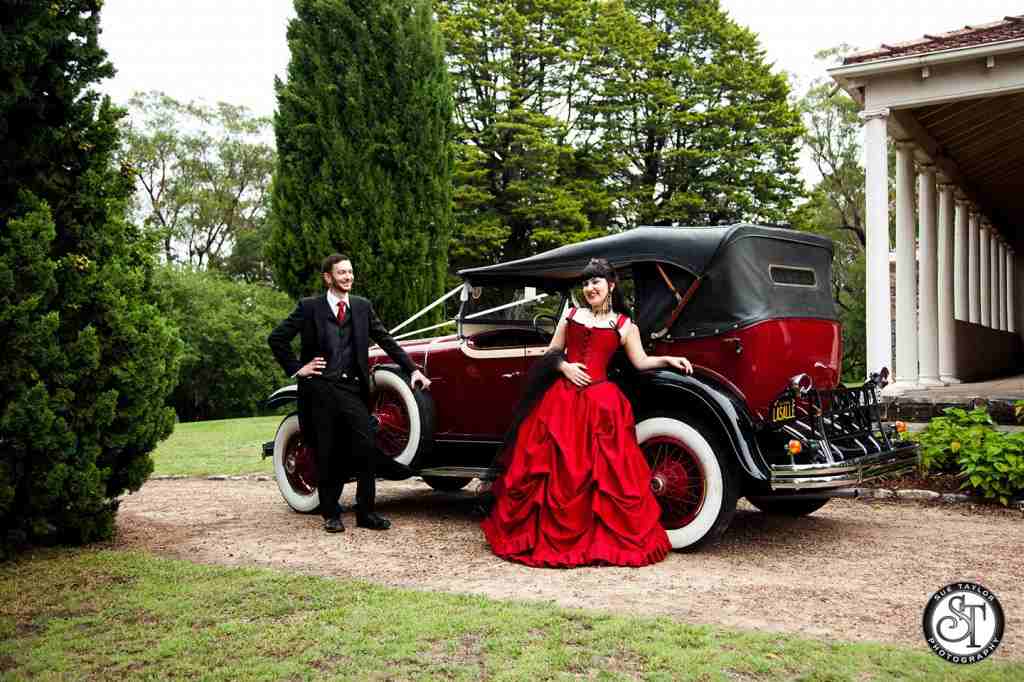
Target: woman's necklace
x=600, y=318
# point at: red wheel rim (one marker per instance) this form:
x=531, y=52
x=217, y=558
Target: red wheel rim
x=300, y=466
x=678, y=480
x=392, y=422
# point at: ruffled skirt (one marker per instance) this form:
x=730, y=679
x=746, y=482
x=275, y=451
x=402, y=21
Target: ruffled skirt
x=577, y=487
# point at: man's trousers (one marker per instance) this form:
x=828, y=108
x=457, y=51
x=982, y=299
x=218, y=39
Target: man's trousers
x=344, y=444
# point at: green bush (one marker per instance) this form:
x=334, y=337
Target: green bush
x=997, y=469
x=946, y=437
x=966, y=443
x=227, y=369
x=88, y=359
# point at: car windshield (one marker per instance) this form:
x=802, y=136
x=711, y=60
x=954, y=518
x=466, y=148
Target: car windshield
x=509, y=305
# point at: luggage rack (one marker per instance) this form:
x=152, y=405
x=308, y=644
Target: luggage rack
x=845, y=438
x=846, y=421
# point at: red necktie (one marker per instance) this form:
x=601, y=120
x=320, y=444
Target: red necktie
x=341, y=312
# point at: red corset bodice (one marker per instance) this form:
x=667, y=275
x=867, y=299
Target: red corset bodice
x=593, y=346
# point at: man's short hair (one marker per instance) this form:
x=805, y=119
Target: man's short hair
x=331, y=261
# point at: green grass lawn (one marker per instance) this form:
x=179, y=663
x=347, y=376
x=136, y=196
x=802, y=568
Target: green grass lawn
x=226, y=446
x=91, y=614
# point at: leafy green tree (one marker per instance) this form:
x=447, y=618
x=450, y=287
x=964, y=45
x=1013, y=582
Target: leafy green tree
x=527, y=176
x=203, y=175
x=226, y=370
x=89, y=359
x=364, y=151
x=702, y=128
x=247, y=261
x=576, y=118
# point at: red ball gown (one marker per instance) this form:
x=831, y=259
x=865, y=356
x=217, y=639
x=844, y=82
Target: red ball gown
x=576, y=490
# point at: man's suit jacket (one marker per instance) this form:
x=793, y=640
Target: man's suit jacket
x=313, y=319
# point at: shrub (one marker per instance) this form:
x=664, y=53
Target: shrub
x=996, y=470
x=89, y=360
x=227, y=369
x=945, y=437
x=990, y=462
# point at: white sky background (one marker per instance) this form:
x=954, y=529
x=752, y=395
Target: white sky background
x=230, y=50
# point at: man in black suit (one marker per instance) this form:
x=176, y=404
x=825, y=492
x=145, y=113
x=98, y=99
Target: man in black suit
x=334, y=387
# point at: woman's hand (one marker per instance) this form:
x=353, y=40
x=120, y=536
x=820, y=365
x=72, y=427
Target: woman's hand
x=576, y=372
x=682, y=364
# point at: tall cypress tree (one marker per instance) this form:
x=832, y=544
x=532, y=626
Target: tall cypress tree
x=364, y=156
x=88, y=359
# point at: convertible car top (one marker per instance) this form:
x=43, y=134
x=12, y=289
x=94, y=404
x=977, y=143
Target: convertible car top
x=691, y=248
x=726, y=277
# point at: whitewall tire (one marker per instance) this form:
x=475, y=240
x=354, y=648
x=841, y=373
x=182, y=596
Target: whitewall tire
x=404, y=417
x=690, y=480
x=295, y=467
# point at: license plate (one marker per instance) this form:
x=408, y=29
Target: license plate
x=783, y=410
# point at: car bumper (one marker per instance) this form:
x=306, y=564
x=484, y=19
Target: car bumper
x=895, y=462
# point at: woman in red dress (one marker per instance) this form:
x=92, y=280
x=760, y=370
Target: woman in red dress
x=576, y=487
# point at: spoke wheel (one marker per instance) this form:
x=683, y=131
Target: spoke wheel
x=300, y=465
x=393, y=423
x=403, y=419
x=678, y=480
x=295, y=467
x=693, y=484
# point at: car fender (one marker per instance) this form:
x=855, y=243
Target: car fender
x=283, y=396
x=709, y=398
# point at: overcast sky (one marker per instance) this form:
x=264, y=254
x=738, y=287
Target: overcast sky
x=230, y=50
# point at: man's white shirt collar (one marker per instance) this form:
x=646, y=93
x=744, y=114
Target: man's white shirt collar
x=333, y=301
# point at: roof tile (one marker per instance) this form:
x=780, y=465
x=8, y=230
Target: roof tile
x=1008, y=28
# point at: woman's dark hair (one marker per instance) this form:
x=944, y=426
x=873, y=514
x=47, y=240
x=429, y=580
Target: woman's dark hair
x=600, y=267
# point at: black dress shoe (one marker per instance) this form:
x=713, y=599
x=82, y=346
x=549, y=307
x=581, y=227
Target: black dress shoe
x=373, y=521
x=334, y=525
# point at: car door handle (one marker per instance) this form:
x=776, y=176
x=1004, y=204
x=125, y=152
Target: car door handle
x=511, y=375
x=739, y=343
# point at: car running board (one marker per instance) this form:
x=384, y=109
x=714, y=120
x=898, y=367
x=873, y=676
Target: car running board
x=483, y=473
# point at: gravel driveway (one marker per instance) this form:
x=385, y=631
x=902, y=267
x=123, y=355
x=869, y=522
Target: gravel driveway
x=855, y=570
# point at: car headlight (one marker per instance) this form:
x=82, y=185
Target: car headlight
x=801, y=383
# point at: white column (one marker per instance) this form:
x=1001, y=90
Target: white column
x=906, y=272
x=1002, y=284
x=948, y=243
x=984, y=282
x=927, y=259
x=1011, y=312
x=964, y=214
x=993, y=277
x=878, y=319
x=959, y=240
